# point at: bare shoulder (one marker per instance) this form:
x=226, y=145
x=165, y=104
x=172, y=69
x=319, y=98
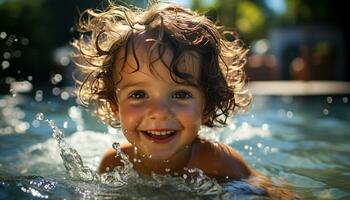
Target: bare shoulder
x=219, y=160
x=110, y=160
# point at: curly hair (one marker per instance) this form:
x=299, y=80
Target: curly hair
x=103, y=34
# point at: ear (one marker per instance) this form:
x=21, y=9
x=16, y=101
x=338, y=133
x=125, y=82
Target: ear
x=115, y=110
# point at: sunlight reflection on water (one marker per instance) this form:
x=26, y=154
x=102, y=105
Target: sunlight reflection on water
x=297, y=148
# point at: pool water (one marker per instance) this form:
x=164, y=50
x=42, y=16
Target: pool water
x=302, y=141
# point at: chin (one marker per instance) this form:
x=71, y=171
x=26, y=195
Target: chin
x=160, y=155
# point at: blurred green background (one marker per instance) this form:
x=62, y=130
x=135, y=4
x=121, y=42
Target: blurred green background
x=289, y=39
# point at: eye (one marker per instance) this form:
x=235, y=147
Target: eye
x=182, y=95
x=138, y=95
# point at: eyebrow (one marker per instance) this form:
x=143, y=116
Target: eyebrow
x=138, y=84
x=128, y=85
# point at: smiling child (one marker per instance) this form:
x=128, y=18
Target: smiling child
x=161, y=74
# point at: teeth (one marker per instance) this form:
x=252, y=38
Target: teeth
x=160, y=132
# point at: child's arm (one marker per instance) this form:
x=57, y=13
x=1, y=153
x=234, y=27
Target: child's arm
x=223, y=163
x=109, y=161
x=218, y=161
x=233, y=164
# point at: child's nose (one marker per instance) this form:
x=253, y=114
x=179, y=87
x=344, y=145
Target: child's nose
x=160, y=110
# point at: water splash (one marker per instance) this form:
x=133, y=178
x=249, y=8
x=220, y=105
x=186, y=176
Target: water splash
x=71, y=158
x=40, y=116
x=125, y=178
x=78, y=171
x=121, y=174
x=202, y=184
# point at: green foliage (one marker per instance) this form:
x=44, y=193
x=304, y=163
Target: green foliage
x=241, y=15
x=251, y=20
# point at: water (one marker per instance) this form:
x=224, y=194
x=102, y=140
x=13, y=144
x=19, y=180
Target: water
x=301, y=141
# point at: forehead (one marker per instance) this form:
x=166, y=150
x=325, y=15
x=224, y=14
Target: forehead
x=144, y=52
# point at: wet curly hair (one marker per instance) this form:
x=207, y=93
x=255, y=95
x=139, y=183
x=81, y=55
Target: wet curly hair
x=103, y=34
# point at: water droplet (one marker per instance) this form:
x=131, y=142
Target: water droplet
x=52, y=123
x=56, y=91
x=5, y=64
x=30, y=78
x=259, y=145
x=56, y=79
x=39, y=116
x=35, y=123
x=252, y=116
x=6, y=55
x=134, y=160
x=3, y=35
x=345, y=100
x=289, y=114
x=274, y=150
x=25, y=41
x=64, y=95
x=266, y=149
x=325, y=111
x=22, y=127
x=281, y=112
x=265, y=127
x=116, y=146
x=65, y=124
x=232, y=126
x=329, y=99
x=75, y=113
x=64, y=61
x=184, y=176
x=246, y=147
x=39, y=95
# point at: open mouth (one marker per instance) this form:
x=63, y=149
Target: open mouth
x=160, y=136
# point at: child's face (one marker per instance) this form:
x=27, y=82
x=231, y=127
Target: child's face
x=159, y=116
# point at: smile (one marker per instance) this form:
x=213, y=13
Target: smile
x=160, y=136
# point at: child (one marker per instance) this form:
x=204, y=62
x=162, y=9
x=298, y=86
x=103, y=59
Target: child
x=160, y=75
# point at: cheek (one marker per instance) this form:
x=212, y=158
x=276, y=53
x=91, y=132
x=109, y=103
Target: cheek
x=129, y=113
x=191, y=114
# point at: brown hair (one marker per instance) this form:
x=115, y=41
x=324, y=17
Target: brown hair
x=105, y=33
